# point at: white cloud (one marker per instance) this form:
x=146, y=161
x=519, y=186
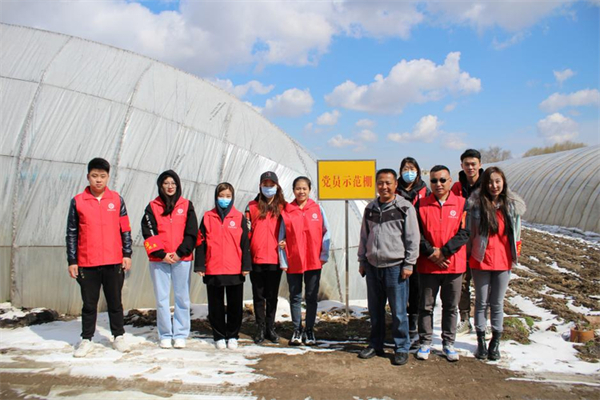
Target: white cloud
x=367, y=135
x=415, y=81
x=340, y=141
x=514, y=39
x=512, y=16
x=556, y=128
x=562, y=76
x=426, y=130
x=454, y=141
x=557, y=101
x=365, y=123
x=242, y=90
x=291, y=103
x=450, y=107
x=329, y=118
x=208, y=37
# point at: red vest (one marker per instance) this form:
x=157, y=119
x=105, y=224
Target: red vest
x=457, y=189
x=223, y=243
x=171, y=228
x=440, y=224
x=498, y=255
x=420, y=195
x=304, y=236
x=100, y=227
x=263, y=236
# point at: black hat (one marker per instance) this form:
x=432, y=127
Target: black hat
x=269, y=175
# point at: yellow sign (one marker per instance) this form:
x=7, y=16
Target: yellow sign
x=346, y=179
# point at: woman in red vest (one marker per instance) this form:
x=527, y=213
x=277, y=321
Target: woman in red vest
x=495, y=244
x=264, y=215
x=304, y=248
x=223, y=260
x=169, y=227
x=412, y=188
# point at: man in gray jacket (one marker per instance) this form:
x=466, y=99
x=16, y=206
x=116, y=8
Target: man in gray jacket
x=387, y=252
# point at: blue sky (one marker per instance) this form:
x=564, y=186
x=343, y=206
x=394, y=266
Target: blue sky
x=383, y=80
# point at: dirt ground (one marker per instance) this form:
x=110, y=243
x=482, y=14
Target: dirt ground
x=341, y=375
x=337, y=373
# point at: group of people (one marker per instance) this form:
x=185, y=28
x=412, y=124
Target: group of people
x=413, y=244
x=270, y=237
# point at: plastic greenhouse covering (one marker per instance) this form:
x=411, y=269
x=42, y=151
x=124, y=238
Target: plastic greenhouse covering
x=559, y=189
x=67, y=100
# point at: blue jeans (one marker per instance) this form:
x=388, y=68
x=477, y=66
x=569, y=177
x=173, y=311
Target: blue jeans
x=162, y=275
x=385, y=284
x=312, y=278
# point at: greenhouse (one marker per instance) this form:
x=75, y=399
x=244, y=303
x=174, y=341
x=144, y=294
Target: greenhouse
x=67, y=100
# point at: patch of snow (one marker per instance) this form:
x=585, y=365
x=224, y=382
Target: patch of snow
x=591, y=238
x=555, y=267
x=548, y=350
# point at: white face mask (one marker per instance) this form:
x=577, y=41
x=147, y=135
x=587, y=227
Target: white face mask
x=268, y=191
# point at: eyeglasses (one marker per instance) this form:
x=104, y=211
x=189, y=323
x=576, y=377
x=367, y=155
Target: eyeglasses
x=169, y=184
x=441, y=180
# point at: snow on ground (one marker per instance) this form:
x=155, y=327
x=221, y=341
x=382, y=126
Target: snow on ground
x=555, y=266
x=589, y=237
x=548, y=351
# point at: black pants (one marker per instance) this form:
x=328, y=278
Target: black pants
x=225, y=325
x=265, y=289
x=413, y=293
x=110, y=278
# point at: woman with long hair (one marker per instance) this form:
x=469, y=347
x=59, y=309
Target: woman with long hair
x=264, y=217
x=304, y=248
x=495, y=244
x=223, y=261
x=412, y=187
x=170, y=227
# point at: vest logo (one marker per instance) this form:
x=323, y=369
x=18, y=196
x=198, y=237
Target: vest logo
x=111, y=207
x=180, y=211
x=232, y=224
x=315, y=217
x=453, y=214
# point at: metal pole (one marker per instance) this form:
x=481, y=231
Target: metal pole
x=347, y=268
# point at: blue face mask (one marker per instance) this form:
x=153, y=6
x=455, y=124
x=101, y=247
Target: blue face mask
x=409, y=176
x=223, y=202
x=268, y=191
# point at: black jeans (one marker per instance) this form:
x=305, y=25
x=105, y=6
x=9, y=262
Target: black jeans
x=225, y=325
x=265, y=289
x=312, y=279
x=110, y=278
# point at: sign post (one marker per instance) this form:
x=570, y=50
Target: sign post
x=346, y=180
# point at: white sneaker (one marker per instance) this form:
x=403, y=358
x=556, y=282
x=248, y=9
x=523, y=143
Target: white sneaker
x=220, y=344
x=179, y=343
x=83, y=348
x=165, y=344
x=232, y=344
x=120, y=345
x=423, y=353
x=450, y=352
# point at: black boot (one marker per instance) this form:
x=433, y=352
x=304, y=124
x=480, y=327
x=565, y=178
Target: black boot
x=259, y=335
x=494, y=349
x=482, y=352
x=271, y=334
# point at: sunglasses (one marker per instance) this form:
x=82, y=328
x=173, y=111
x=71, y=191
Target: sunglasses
x=441, y=180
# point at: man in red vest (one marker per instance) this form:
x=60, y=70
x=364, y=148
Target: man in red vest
x=442, y=259
x=99, y=252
